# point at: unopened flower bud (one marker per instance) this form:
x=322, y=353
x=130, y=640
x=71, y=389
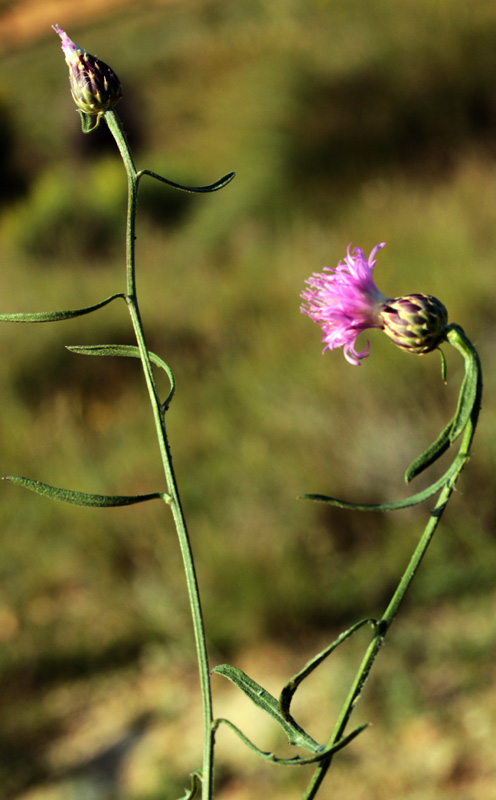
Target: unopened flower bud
x=417, y=322
x=94, y=85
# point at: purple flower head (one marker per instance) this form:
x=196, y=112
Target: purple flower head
x=345, y=301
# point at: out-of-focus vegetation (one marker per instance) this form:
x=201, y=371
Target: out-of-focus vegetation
x=345, y=121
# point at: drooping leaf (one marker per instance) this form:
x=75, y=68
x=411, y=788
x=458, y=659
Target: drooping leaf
x=296, y=761
x=57, y=316
x=413, y=500
x=265, y=701
x=83, y=498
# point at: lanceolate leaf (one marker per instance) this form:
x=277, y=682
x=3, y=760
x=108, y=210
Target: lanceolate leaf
x=57, y=316
x=264, y=700
x=83, y=498
x=297, y=761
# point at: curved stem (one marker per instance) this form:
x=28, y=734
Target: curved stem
x=158, y=412
x=473, y=371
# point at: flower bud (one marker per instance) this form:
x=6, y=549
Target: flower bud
x=417, y=322
x=94, y=86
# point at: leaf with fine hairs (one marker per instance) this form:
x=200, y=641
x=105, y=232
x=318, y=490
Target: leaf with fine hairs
x=83, y=498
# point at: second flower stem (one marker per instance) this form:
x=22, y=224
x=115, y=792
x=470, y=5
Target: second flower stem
x=472, y=367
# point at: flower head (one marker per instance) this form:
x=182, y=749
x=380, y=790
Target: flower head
x=94, y=85
x=345, y=301
x=417, y=322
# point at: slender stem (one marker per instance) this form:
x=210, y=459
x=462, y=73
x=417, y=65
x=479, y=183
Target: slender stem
x=158, y=412
x=459, y=340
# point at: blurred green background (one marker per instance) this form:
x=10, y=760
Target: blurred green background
x=351, y=120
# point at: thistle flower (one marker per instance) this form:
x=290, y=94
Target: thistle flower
x=94, y=85
x=345, y=301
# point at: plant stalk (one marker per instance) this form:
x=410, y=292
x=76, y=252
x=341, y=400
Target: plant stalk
x=472, y=364
x=133, y=176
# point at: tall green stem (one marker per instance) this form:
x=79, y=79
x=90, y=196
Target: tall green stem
x=133, y=176
x=472, y=366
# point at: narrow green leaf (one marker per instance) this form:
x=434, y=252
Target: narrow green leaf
x=291, y=686
x=83, y=498
x=413, y=500
x=57, y=316
x=297, y=761
x=212, y=187
x=126, y=351
x=196, y=781
x=264, y=700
